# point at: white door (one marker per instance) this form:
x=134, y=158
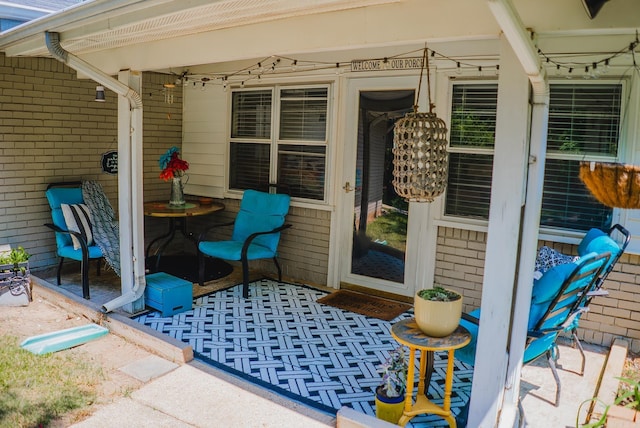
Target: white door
x=375, y=252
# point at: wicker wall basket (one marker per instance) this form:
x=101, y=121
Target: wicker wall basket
x=612, y=184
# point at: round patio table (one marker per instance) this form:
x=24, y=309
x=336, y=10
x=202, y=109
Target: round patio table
x=178, y=216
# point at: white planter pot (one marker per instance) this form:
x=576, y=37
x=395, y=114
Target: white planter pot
x=437, y=319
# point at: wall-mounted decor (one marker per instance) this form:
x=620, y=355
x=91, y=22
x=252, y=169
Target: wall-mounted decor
x=110, y=162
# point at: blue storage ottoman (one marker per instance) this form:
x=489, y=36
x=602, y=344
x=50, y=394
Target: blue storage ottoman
x=168, y=294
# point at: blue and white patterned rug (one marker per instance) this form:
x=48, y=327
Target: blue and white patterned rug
x=282, y=339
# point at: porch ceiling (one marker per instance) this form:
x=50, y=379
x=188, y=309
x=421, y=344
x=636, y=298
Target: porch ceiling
x=173, y=34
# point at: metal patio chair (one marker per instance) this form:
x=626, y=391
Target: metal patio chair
x=256, y=234
x=79, y=249
x=558, y=298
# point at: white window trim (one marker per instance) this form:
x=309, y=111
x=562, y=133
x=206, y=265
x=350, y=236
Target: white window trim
x=545, y=233
x=276, y=86
x=445, y=220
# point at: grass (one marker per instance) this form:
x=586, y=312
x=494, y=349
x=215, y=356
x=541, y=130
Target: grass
x=35, y=390
x=390, y=227
x=627, y=392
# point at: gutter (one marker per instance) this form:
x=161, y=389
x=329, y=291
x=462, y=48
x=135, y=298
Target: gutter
x=135, y=102
x=52, y=41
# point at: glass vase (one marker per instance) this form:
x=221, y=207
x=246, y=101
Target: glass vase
x=177, y=192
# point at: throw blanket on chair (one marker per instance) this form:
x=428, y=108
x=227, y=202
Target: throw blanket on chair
x=106, y=231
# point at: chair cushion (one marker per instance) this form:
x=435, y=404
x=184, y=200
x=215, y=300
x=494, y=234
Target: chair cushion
x=232, y=250
x=546, y=288
x=57, y=196
x=467, y=354
x=78, y=219
x=261, y=212
x=69, y=252
x=588, y=237
x=548, y=258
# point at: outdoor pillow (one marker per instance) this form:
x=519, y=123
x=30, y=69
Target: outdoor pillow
x=548, y=258
x=588, y=238
x=78, y=219
x=602, y=244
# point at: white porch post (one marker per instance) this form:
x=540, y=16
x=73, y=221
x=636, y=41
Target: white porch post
x=503, y=240
x=130, y=205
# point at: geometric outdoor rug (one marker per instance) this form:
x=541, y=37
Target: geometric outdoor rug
x=282, y=339
x=364, y=304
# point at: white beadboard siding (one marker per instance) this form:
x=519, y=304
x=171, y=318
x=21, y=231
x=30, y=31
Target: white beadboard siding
x=204, y=139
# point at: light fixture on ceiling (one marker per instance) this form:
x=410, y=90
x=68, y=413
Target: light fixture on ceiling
x=593, y=7
x=420, y=158
x=100, y=94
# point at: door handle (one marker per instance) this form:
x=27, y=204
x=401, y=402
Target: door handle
x=347, y=187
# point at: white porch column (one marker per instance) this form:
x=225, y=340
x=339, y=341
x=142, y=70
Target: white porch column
x=503, y=240
x=130, y=203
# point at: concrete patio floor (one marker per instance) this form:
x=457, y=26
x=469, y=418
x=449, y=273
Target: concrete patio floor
x=537, y=392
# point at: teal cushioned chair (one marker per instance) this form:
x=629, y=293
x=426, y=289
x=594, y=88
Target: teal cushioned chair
x=557, y=298
x=256, y=234
x=70, y=193
x=597, y=241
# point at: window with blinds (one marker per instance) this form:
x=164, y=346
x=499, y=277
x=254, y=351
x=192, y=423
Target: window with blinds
x=251, y=114
x=293, y=154
x=584, y=123
x=471, y=142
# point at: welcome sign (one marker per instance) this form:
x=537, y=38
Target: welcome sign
x=389, y=64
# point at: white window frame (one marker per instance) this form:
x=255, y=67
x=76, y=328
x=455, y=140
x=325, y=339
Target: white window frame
x=560, y=234
x=455, y=220
x=275, y=141
x=551, y=233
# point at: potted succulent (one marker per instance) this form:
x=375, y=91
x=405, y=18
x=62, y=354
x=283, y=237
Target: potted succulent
x=437, y=311
x=390, y=394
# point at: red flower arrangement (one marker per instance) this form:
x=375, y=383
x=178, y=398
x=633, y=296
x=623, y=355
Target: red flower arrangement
x=171, y=164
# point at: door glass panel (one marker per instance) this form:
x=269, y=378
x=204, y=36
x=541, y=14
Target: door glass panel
x=380, y=215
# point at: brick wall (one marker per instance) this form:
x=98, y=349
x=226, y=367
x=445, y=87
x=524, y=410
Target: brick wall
x=51, y=130
x=459, y=265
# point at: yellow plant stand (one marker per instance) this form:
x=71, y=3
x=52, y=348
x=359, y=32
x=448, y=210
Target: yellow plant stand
x=407, y=333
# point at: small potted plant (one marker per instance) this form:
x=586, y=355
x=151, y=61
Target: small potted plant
x=14, y=260
x=390, y=394
x=437, y=311
x=15, y=281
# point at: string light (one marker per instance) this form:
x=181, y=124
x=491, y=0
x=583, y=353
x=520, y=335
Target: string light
x=593, y=69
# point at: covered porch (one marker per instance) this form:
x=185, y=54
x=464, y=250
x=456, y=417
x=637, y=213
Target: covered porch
x=327, y=374
x=210, y=58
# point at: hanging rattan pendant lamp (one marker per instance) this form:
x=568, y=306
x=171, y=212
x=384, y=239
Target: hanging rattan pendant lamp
x=420, y=158
x=612, y=184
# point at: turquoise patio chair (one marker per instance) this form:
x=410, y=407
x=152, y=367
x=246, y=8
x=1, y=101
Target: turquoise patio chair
x=256, y=234
x=558, y=297
x=615, y=242
x=84, y=250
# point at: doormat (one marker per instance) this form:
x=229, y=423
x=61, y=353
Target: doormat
x=364, y=304
x=185, y=266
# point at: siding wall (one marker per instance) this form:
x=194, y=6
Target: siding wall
x=459, y=265
x=52, y=130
